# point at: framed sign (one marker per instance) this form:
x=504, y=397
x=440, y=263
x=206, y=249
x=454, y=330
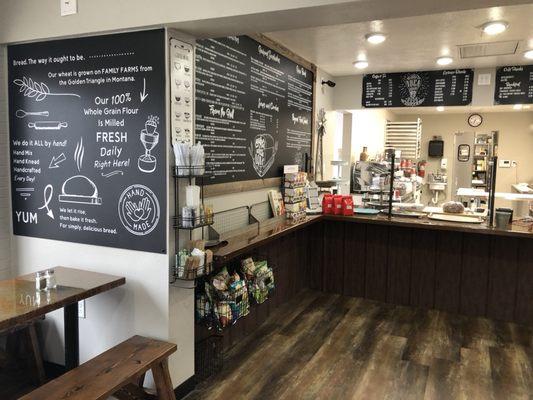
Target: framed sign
x=418, y=89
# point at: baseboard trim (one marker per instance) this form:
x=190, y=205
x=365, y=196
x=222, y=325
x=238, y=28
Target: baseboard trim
x=185, y=388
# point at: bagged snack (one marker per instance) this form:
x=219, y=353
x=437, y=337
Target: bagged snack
x=327, y=204
x=260, y=282
x=347, y=205
x=337, y=204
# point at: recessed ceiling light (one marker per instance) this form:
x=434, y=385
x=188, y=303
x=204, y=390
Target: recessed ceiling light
x=375, y=38
x=517, y=107
x=494, y=27
x=361, y=64
x=445, y=60
x=440, y=108
x=529, y=54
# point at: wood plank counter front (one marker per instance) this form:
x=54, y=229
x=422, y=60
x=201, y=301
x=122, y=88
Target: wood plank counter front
x=461, y=268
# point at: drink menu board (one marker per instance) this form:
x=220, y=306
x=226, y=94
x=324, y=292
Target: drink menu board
x=418, y=89
x=254, y=109
x=514, y=85
x=88, y=141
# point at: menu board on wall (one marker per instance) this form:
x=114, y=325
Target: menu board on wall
x=418, y=89
x=254, y=109
x=88, y=141
x=514, y=85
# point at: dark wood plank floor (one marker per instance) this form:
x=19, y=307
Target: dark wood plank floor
x=324, y=346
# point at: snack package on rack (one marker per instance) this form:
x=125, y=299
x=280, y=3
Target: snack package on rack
x=260, y=279
x=229, y=297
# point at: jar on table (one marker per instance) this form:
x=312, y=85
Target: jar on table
x=40, y=281
x=51, y=282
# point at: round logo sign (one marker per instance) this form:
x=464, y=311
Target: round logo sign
x=138, y=209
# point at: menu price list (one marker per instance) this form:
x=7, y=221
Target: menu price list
x=253, y=109
x=514, y=85
x=418, y=89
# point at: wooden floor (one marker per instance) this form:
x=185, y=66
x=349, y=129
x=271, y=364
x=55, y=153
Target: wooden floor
x=332, y=347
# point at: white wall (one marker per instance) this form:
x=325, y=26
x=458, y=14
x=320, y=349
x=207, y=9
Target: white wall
x=368, y=130
x=515, y=143
x=5, y=214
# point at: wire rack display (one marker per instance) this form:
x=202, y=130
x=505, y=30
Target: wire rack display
x=231, y=220
x=185, y=272
x=226, y=297
x=190, y=171
x=208, y=357
x=261, y=211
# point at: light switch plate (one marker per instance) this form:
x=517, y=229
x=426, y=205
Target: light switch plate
x=504, y=163
x=68, y=7
x=81, y=309
x=483, y=79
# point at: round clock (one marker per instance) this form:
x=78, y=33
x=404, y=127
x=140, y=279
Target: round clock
x=475, y=120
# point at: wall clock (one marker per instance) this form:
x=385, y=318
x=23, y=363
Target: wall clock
x=474, y=120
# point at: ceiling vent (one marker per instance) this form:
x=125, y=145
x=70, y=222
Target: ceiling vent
x=506, y=48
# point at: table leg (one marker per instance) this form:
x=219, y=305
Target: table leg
x=72, y=339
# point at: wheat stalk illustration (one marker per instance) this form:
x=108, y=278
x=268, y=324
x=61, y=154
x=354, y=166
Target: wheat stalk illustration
x=37, y=91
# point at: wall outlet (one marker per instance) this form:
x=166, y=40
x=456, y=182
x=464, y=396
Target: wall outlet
x=81, y=309
x=68, y=7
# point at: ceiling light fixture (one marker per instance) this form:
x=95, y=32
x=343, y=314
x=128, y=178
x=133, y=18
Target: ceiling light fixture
x=375, y=38
x=494, y=27
x=440, y=108
x=529, y=54
x=445, y=60
x=360, y=64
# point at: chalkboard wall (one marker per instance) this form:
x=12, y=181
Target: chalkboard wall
x=254, y=109
x=418, y=89
x=87, y=140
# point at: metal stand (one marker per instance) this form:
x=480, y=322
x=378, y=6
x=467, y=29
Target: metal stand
x=492, y=189
x=391, y=186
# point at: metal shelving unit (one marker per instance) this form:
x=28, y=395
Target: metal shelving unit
x=193, y=175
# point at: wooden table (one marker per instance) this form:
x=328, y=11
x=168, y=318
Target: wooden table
x=20, y=303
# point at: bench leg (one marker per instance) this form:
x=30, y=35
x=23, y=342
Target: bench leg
x=163, y=383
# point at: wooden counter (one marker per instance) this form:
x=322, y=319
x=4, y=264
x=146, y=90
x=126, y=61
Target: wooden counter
x=238, y=245
x=426, y=223
x=460, y=268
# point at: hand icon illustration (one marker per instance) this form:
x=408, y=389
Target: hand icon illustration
x=138, y=211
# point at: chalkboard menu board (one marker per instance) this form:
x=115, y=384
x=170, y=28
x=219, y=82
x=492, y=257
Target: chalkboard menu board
x=254, y=109
x=418, y=89
x=514, y=85
x=88, y=141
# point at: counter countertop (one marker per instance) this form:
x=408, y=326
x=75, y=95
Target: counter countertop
x=238, y=245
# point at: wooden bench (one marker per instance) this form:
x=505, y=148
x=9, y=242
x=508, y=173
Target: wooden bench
x=102, y=376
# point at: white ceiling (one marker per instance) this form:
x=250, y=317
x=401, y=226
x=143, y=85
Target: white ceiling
x=412, y=43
